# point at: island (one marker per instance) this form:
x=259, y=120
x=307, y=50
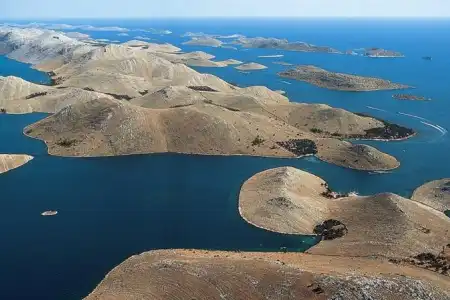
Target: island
x=339, y=81
x=204, y=41
x=12, y=161
x=435, y=194
x=251, y=67
x=49, y=213
x=139, y=98
x=282, y=44
x=378, y=52
x=409, y=97
x=292, y=201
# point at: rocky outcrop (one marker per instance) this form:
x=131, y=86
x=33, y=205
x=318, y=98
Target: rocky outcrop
x=339, y=81
x=12, y=161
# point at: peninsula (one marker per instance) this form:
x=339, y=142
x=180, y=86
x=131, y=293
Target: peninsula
x=12, y=161
x=339, y=81
x=289, y=200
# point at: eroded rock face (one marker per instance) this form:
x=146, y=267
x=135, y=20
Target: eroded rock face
x=11, y=161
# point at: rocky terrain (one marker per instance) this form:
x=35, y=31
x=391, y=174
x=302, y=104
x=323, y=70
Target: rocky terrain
x=339, y=81
x=196, y=274
x=289, y=200
x=435, y=194
x=12, y=161
x=273, y=43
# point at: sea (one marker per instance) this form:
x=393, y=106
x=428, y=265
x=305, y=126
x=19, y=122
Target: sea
x=116, y=207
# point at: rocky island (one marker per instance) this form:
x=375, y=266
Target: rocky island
x=204, y=41
x=378, y=52
x=282, y=44
x=251, y=67
x=409, y=97
x=435, y=194
x=339, y=81
x=140, y=97
x=12, y=161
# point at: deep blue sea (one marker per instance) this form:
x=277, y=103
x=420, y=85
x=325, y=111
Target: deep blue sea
x=112, y=208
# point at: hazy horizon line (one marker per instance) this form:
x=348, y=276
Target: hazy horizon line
x=221, y=17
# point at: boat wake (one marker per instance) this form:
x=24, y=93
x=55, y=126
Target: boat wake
x=285, y=82
x=413, y=116
x=437, y=127
x=374, y=108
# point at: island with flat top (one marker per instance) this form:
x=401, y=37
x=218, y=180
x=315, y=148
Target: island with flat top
x=339, y=81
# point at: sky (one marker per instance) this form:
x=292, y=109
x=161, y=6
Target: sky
x=53, y=9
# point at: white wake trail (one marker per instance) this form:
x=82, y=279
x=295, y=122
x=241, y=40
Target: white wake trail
x=413, y=116
x=285, y=82
x=374, y=108
x=440, y=129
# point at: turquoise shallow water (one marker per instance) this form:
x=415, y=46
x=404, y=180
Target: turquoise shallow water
x=111, y=208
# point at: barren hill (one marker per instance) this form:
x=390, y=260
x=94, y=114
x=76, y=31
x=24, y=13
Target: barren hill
x=385, y=225
x=196, y=274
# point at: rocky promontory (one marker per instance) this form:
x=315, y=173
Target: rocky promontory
x=435, y=194
x=12, y=161
x=339, y=81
